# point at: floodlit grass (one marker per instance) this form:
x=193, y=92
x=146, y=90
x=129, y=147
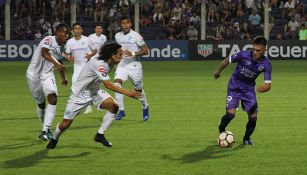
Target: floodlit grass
x=186, y=105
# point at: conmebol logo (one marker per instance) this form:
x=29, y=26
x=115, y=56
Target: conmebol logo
x=166, y=52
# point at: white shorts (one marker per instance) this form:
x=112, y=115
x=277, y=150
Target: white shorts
x=41, y=88
x=133, y=71
x=76, y=104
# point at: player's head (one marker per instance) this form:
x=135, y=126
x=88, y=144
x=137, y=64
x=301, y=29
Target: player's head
x=125, y=24
x=98, y=28
x=259, y=47
x=77, y=28
x=111, y=53
x=62, y=33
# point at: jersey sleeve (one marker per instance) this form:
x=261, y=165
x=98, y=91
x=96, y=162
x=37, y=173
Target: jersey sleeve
x=268, y=73
x=139, y=40
x=68, y=48
x=90, y=44
x=102, y=72
x=235, y=57
x=47, y=42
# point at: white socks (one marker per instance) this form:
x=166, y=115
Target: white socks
x=119, y=98
x=143, y=100
x=107, y=122
x=40, y=114
x=57, y=133
x=49, y=116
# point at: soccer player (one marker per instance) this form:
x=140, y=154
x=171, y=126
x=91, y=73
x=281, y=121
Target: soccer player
x=93, y=73
x=79, y=50
x=130, y=66
x=97, y=38
x=241, y=86
x=41, y=79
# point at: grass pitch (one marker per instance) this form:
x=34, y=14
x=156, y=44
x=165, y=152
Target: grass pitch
x=186, y=105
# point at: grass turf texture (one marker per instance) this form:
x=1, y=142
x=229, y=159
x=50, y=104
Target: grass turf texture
x=186, y=105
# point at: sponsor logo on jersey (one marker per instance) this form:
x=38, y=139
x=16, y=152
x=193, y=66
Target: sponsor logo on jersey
x=204, y=49
x=260, y=68
x=103, y=71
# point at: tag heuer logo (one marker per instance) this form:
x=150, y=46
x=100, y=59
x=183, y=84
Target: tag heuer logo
x=205, y=49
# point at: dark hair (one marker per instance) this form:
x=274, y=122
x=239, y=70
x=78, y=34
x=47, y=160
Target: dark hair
x=61, y=27
x=107, y=50
x=98, y=24
x=125, y=18
x=260, y=40
x=76, y=24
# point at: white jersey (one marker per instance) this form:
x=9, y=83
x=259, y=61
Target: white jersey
x=98, y=41
x=90, y=78
x=132, y=41
x=39, y=67
x=78, y=49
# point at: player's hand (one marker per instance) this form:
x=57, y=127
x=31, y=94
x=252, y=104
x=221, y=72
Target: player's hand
x=60, y=67
x=127, y=53
x=88, y=56
x=64, y=82
x=134, y=94
x=216, y=75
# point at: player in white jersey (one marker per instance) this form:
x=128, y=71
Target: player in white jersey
x=130, y=66
x=97, y=38
x=91, y=76
x=80, y=50
x=41, y=79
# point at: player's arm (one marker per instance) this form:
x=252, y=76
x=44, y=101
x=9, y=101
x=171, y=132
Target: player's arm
x=143, y=51
x=63, y=77
x=133, y=94
x=263, y=88
x=221, y=67
x=90, y=55
x=47, y=56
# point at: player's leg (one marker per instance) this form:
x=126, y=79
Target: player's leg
x=121, y=76
x=136, y=76
x=232, y=103
x=41, y=108
x=50, y=89
x=251, y=125
x=104, y=101
x=73, y=108
x=249, y=104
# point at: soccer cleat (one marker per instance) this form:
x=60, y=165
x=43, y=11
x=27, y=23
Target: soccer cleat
x=248, y=142
x=49, y=134
x=100, y=138
x=43, y=136
x=52, y=144
x=120, y=115
x=146, y=114
x=221, y=129
x=88, y=110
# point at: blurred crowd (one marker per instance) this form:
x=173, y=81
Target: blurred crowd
x=163, y=19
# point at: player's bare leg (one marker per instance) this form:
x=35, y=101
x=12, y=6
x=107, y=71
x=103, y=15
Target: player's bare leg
x=120, y=100
x=110, y=105
x=60, y=129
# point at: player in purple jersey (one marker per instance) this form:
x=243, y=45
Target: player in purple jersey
x=241, y=86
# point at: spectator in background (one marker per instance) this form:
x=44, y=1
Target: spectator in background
x=195, y=19
x=113, y=27
x=254, y=20
x=288, y=7
x=303, y=32
x=1, y=33
x=113, y=12
x=124, y=10
x=192, y=33
x=42, y=7
x=56, y=22
x=20, y=30
x=158, y=12
x=123, y=3
x=177, y=12
x=29, y=35
x=291, y=30
x=38, y=35
x=89, y=8
x=99, y=11
x=211, y=11
x=17, y=8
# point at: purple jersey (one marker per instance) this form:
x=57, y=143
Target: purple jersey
x=248, y=70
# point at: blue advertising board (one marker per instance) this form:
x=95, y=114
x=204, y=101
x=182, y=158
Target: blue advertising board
x=159, y=50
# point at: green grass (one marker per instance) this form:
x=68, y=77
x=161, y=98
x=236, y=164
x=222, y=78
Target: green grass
x=186, y=105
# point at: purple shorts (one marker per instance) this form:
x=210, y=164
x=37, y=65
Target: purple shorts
x=247, y=98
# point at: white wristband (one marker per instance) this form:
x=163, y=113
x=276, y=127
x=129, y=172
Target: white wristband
x=133, y=54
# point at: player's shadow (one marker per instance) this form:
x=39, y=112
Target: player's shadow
x=32, y=160
x=17, y=118
x=19, y=145
x=210, y=152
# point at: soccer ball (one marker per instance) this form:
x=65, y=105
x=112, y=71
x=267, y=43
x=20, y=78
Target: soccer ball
x=226, y=139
